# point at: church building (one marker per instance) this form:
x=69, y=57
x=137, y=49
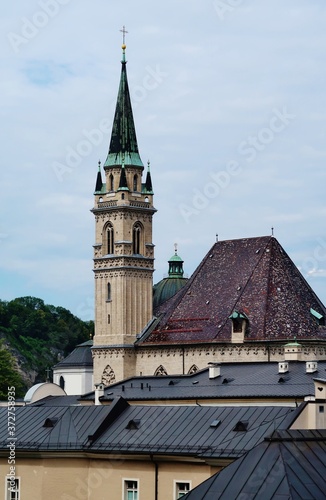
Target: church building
x=246, y=301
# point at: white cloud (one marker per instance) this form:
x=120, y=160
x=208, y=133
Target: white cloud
x=223, y=80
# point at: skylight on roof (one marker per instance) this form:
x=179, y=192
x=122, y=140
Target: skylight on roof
x=215, y=423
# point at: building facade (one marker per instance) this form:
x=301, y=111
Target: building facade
x=245, y=302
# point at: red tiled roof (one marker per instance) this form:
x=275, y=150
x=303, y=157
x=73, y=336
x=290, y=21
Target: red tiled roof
x=254, y=276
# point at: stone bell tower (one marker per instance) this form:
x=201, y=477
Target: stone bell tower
x=123, y=250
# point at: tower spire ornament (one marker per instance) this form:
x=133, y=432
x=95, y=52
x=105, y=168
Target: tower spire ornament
x=124, y=31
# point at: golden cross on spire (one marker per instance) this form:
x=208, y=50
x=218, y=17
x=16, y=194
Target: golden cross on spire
x=124, y=31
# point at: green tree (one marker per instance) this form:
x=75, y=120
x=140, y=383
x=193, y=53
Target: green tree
x=9, y=377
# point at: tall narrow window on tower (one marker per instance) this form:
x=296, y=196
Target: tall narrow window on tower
x=108, y=298
x=110, y=239
x=111, y=184
x=136, y=238
x=135, y=182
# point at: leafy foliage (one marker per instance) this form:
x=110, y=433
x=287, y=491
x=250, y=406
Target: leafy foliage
x=9, y=377
x=41, y=333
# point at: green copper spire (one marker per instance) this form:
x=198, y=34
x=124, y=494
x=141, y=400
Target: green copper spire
x=123, y=138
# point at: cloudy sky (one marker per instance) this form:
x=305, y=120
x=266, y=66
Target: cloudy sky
x=230, y=107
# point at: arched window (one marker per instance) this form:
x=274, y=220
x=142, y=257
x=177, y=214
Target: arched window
x=108, y=376
x=193, y=369
x=160, y=371
x=110, y=238
x=108, y=298
x=135, y=182
x=111, y=183
x=62, y=382
x=136, y=238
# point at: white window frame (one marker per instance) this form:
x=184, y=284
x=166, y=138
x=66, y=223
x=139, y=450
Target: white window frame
x=176, y=483
x=17, y=491
x=125, y=480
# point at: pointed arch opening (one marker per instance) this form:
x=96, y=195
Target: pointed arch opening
x=160, y=371
x=137, y=238
x=109, y=239
x=108, y=375
x=111, y=182
x=135, y=183
x=193, y=369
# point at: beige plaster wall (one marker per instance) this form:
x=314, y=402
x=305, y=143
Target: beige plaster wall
x=94, y=479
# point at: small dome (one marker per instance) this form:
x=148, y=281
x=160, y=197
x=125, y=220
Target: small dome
x=175, y=258
x=166, y=288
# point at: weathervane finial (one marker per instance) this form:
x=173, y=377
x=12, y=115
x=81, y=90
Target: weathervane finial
x=175, y=248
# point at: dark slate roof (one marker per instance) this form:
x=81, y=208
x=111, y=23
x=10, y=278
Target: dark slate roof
x=253, y=276
x=289, y=465
x=67, y=400
x=237, y=380
x=203, y=432
x=81, y=356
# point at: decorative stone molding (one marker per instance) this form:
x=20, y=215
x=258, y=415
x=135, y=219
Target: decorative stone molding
x=108, y=375
x=160, y=371
x=193, y=369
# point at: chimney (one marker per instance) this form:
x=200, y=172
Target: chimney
x=99, y=392
x=311, y=366
x=283, y=367
x=214, y=370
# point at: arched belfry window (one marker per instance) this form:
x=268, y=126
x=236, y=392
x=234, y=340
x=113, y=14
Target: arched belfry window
x=137, y=234
x=110, y=238
x=62, y=382
x=135, y=182
x=111, y=183
x=108, y=298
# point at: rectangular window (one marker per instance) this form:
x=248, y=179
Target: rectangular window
x=181, y=488
x=12, y=488
x=321, y=409
x=131, y=489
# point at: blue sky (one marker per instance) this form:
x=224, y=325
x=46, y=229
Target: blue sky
x=229, y=105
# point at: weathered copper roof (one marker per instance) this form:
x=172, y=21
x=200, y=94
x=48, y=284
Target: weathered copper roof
x=256, y=278
x=123, y=145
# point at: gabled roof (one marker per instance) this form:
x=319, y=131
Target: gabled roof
x=123, y=145
x=251, y=381
x=253, y=276
x=288, y=465
x=177, y=430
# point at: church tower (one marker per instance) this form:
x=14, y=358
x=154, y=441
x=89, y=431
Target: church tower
x=123, y=250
